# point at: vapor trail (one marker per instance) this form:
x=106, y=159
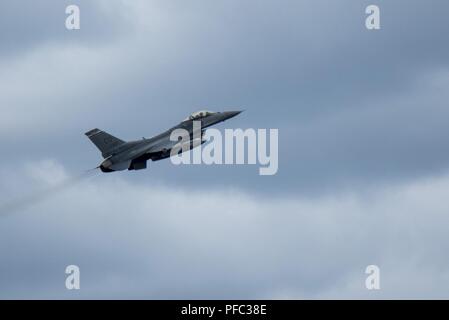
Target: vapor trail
x=26, y=201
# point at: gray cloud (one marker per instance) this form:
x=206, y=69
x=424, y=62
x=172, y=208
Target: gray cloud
x=26, y=25
x=311, y=70
x=141, y=241
x=362, y=118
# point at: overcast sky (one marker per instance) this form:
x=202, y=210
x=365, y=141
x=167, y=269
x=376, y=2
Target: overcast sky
x=363, y=121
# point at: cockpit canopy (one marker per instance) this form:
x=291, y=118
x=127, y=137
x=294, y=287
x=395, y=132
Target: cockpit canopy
x=199, y=115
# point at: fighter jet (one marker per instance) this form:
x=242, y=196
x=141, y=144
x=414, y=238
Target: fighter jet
x=133, y=155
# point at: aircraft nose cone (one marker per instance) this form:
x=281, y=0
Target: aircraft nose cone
x=231, y=114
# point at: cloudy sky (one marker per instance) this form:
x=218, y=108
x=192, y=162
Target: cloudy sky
x=363, y=121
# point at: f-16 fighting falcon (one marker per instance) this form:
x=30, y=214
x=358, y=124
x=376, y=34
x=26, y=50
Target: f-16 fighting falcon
x=133, y=155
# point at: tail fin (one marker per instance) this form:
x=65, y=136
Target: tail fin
x=104, y=141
